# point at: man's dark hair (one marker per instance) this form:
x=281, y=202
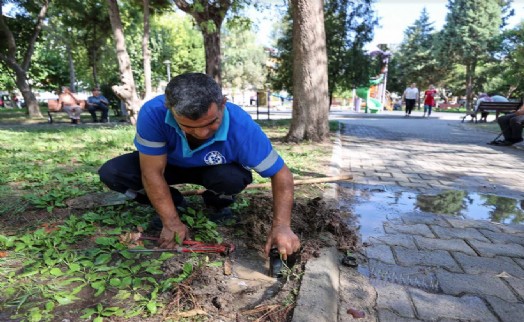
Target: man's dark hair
x=190, y=95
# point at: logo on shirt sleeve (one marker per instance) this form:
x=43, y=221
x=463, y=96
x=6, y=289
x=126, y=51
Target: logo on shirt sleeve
x=214, y=158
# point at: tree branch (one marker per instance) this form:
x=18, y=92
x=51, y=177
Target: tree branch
x=36, y=32
x=10, y=39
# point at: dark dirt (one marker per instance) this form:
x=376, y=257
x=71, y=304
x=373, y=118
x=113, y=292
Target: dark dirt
x=249, y=294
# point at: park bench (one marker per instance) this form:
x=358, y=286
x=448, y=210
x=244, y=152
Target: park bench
x=497, y=107
x=52, y=107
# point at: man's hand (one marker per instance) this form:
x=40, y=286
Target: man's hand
x=284, y=239
x=167, y=236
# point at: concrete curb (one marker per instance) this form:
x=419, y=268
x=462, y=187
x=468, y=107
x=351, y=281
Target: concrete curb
x=318, y=297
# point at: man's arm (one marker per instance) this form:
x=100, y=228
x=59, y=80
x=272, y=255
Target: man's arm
x=157, y=190
x=281, y=236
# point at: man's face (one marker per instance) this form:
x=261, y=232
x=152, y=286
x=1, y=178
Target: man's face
x=96, y=92
x=206, y=126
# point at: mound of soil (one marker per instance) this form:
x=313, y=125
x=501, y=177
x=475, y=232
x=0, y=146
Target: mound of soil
x=241, y=289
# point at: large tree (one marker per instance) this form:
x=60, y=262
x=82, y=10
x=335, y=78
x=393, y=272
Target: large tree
x=415, y=60
x=471, y=26
x=310, y=75
x=349, y=26
x=127, y=91
x=209, y=16
x=17, y=57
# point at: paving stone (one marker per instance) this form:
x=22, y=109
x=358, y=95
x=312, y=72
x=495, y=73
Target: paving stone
x=479, y=285
x=395, y=240
x=356, y=292
x=513, y=229
x=517, y=284
x=519, y=261
x=394, y=298
x=412, y=218
x=492, y=250
x=423, y=277
x=486, y=265
x=388, y=316
x=418, y=229
x=462, y=233
x=469, y=223
x=437, y=258
x=450, y=245
x=380, y=252
x=507, y=311
x=438, y=307
x=503, y=238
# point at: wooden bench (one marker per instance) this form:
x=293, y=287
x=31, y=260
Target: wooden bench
x=497, y=107
x=52, y=107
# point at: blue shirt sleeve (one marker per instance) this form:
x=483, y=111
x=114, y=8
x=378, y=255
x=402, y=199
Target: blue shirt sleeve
x=149, y=137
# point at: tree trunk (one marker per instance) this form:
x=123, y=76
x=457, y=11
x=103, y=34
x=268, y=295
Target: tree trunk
x=204, y=13
x=470, y=75
x=127, y=91
x=146, y=52
x=213, y=56
x=95, y=71
x=20, y=68
x=29, y=98
x=310, y=81
x=72, y=75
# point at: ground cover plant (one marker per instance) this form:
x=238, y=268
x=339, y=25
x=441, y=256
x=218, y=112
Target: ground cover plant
x=61, y=262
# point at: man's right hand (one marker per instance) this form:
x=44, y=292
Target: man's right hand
x=167, y=236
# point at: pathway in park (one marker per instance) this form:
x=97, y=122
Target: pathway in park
x=417, y=265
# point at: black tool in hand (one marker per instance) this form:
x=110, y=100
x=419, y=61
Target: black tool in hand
x=277, y=264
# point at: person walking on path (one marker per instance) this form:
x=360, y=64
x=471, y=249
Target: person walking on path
x=98, y=102
x=410, y=96
x=511, y=126
x=193, y=135
x=429, y=100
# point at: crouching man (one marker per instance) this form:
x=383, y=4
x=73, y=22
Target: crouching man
x=192, y=135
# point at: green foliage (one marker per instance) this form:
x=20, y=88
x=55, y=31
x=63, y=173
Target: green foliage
x=349, y=26
x=414, y=61
x=243, y=63
x=175, y=39
x=471, y=28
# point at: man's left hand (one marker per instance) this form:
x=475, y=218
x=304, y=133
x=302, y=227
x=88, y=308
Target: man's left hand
x=284, y=239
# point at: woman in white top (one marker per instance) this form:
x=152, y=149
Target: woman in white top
x=410, y=96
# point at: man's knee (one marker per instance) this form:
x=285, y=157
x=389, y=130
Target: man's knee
x=121, y=172
x=108, y=173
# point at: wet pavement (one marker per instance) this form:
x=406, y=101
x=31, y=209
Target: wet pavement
x=440, y=214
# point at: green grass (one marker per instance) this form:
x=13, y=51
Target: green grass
x=54, y=259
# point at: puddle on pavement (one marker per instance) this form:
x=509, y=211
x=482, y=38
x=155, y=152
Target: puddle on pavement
x=373, y=206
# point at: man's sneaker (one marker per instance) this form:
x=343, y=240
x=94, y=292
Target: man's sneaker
x=156, y=222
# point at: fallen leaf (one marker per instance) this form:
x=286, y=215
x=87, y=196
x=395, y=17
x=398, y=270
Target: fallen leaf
x=503, y=274
x=228, y=267
x=356, y=314
x=131, y=240
x=191, y=313
x=3, y=254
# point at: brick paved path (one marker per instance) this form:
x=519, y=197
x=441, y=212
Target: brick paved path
x=430, y=267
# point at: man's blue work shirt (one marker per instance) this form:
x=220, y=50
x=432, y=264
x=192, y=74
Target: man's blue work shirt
x=238, y=140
